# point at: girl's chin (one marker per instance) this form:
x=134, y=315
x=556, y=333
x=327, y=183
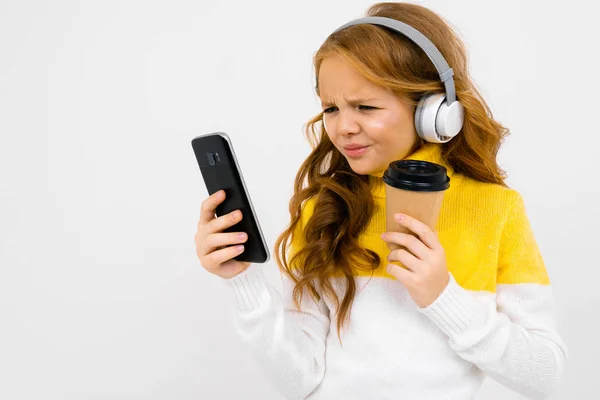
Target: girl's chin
x=365, y=168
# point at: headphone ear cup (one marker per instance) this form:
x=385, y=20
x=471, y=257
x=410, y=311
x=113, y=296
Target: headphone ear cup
x=435, y=121
x=426, y=116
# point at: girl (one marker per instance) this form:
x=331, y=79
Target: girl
x=472, y=297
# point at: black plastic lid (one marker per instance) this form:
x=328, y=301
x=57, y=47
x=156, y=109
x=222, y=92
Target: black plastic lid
x=418, y=176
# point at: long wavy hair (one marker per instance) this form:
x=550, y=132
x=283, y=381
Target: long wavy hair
x=343, y=200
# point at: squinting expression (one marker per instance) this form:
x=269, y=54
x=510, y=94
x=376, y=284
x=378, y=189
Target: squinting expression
x=358, y=112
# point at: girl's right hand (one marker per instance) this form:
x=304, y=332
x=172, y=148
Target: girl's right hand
x=213, y=246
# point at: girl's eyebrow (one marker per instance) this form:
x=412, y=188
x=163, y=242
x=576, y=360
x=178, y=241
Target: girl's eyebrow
x=352, y=101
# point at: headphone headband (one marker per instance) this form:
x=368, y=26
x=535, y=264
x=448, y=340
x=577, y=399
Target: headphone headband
x=420, y=40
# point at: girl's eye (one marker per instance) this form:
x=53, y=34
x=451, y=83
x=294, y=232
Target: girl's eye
x=332, y=109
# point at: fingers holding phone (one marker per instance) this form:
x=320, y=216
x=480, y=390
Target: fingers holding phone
x=216, y=249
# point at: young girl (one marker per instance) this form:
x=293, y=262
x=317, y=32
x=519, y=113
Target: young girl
x=472, y=297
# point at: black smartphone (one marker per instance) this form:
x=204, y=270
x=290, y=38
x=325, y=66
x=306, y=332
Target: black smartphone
x=221, y=171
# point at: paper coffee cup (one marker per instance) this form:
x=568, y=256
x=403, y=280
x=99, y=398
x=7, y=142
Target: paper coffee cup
x=415, y=188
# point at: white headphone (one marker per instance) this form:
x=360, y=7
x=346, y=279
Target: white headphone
x=438, y=116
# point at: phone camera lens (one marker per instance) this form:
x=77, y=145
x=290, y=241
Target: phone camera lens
x=211, y=158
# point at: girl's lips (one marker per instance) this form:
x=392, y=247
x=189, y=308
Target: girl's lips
x=356, y=152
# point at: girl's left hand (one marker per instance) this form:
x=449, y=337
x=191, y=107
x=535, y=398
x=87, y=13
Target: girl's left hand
x=426, y=274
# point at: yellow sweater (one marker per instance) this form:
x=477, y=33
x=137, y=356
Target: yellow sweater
x=483, y=228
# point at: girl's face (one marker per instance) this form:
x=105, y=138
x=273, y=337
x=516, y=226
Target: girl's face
x=358, y=112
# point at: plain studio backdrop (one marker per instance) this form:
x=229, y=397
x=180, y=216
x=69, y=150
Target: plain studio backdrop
x=101, y=292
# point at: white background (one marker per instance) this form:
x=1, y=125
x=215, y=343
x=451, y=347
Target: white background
x=101, y=293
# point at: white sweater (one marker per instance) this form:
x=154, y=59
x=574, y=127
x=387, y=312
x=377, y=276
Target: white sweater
x=393, y=349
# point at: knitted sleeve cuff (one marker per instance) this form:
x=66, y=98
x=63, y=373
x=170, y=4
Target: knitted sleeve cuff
x=249, y=289
x=455, y=311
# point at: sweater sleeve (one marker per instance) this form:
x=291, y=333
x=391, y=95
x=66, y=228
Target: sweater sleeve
x=513, y=338
x=289, y=344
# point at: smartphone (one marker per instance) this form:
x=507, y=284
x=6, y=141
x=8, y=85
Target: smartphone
x=220, y=170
